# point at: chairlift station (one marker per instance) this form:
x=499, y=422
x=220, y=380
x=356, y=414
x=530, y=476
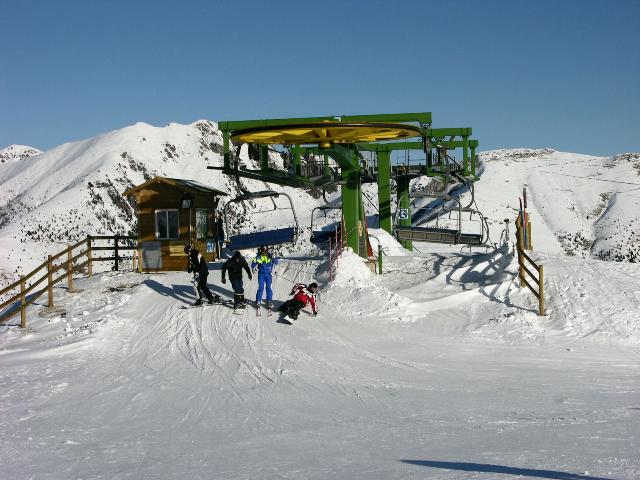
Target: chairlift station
x=310, y=143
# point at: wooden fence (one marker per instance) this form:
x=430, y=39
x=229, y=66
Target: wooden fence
x=44, y=276
x=524, y=260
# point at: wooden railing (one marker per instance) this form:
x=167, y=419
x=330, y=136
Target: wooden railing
x=67, y=260
x=523, y=260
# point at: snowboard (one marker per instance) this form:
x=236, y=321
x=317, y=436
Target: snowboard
x=227, y=303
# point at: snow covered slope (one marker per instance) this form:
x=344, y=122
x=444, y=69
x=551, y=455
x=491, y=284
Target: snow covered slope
x=578, y=204
x=587, y=205
x=439, y=368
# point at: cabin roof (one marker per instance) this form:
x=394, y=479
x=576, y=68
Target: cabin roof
x=181, y=183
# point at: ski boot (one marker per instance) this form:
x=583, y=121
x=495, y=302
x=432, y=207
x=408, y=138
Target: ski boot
x=242, y=303
x=237, y=301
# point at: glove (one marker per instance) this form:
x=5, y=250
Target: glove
x=315, y=314
x=250, y=277
x=224, y=280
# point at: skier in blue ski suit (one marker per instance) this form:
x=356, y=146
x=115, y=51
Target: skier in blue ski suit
x=264, y=263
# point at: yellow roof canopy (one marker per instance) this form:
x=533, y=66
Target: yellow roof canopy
x=325, y=134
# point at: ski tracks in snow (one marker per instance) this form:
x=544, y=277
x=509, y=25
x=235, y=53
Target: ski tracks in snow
x=585, y=299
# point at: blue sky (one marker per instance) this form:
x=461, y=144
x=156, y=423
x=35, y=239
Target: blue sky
x=559, y=74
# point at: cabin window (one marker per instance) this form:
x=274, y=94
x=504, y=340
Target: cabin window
x=167, y=224
x=202, y=223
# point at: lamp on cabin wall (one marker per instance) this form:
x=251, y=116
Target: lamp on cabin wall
x=186, y=200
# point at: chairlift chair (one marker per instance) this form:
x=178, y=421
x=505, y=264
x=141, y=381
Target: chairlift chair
x=321, y=236
x=267, y=237
x=447, y=235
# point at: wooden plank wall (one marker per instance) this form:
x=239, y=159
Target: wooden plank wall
x=163, y=196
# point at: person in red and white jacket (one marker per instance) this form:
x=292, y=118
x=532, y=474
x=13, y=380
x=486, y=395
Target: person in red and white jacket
x=302, y=295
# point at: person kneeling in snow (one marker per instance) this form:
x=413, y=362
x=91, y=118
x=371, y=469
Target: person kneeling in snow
x=302, y=295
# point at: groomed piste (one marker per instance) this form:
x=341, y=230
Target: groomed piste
x=439, y=368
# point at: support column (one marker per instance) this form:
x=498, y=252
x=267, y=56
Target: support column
x=404, y=207
x=351, y=195
x=351, y=208
x=264, y=157
x=295, y=159
x=225, y=149
x=473, y=161
x=384, y=190
x=465, y=155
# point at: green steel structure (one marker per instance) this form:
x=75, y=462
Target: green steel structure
x=343, y=138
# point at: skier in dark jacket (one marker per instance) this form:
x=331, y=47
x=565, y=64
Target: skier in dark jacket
x=234, y=266
x=302, y=295
x=198, y=266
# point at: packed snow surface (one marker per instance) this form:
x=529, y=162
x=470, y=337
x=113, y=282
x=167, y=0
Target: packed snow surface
x=439, y=368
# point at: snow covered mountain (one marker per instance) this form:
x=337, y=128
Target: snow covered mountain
x=16, y=153
x=75, y=189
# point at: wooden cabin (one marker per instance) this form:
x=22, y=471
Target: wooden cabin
x=172, y=213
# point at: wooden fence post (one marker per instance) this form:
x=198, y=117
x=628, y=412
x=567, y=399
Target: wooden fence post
x=89, y=256
x=529, y=241
x=115, y=252
x=520, y=247
x=23, y=304
x=50, y=281
x=541, y=291
x=70, y=269
x=330, y=261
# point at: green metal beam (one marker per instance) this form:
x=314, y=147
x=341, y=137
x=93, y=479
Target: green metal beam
x=448, y=132
x=271, y=122
x=420, y=117
x=389, y=147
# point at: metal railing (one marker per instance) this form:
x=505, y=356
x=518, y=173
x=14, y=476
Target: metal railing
x=44, y=276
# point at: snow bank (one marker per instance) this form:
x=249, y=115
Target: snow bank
x=350, y=270
x=390, y=246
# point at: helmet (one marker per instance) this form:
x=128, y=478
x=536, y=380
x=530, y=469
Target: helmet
x=187, y=249
x=263, y=248
x=313, y=286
